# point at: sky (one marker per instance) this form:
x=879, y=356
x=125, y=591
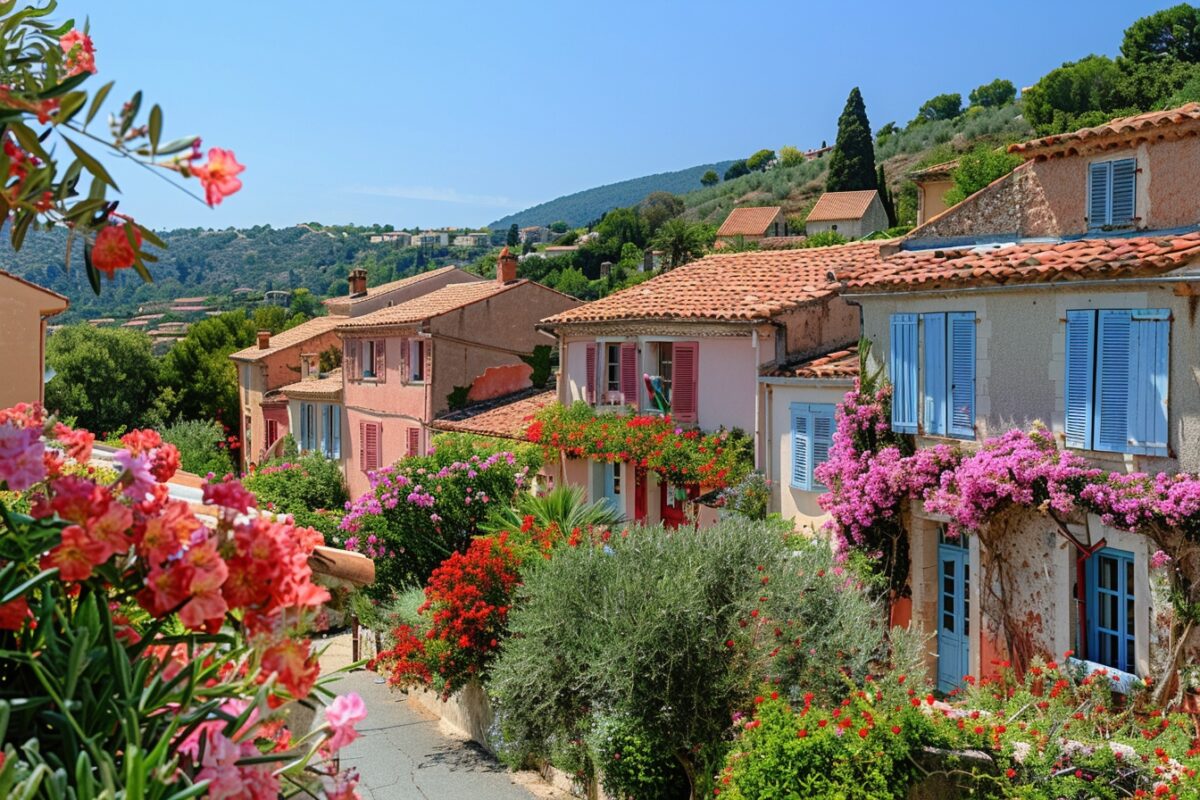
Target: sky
x=451, y=113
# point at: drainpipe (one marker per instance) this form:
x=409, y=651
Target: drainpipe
x=758, y=436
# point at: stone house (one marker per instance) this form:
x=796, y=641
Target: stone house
x=753, y=224
x=932, y=185
x=851, y=214
x=24, y=310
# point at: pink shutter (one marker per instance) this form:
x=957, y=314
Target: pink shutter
x=414, y=441
x=405, y=369
x=591, y=372
x=686, y=365
x=351, y=359
x=629, y=374
x=362, y=446
x=381, y=360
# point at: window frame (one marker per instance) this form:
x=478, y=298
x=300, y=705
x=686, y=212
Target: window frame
x=933, y=391
x=416, y=360
x=366, y=360
x=1125, y=593
x=810, y=413
x=1110, y=166
x=612, y=370
x=655, y=348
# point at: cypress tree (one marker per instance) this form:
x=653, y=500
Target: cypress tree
x=852, y=165
x=885, y=197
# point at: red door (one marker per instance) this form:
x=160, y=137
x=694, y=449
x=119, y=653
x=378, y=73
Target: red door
x=639, y=495
x=670, y=506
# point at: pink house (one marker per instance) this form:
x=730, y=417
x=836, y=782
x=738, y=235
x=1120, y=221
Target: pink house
x=402, y=363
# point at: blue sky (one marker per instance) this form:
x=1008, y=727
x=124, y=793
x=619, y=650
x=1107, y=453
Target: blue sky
x=451, y=113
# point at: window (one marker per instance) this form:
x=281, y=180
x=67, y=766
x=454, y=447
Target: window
x=370, y=436
x=943, y=381
x=331, y=431
x=1111, y=609
x=272, y=431
x=617, y=372
x=812, y=436
x=416, y=360
x=660, y=363
x=368, y=358
x=412, y=446
x=1112, y=189
x=1116, y=380
x=308, y=426
x=612, y=371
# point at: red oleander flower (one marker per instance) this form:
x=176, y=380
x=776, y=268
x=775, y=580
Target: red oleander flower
x=295, y=667
x=219, y=175
x=76, y=555
x=80, y=52
x=13, y=616
x=112, y=250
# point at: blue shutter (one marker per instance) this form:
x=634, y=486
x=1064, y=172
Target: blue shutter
x=325, y=430
x=962, y=374
x=1111, y=423
x=304, y=426
x=1098, y=193
x=1124, y=184
x=337, y=431
x=1148, y=364
x=935, y=374
x=801, y=444
x=904, y=373
x=1081, y=347
x=822, y=439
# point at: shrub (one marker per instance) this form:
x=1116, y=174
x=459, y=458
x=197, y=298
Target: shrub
x=673, y=632
x=824, y=239
x=634, y=765
x=751, y=497
x=564, y=507
x=202, y=446
x=310, y=489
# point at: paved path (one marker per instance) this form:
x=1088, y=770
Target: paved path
x=406, y=752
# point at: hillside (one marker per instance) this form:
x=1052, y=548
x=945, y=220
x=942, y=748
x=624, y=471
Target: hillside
x=580, y=208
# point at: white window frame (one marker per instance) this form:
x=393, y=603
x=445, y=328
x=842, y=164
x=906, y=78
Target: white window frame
x=366, y=360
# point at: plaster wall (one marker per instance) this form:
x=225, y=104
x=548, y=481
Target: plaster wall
x=23, y=332
x=931, y=199
x=873, y=219
x=393, y=444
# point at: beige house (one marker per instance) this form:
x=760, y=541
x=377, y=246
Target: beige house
x=852, y=214
x=932, y=185
x=754, y=223
x=24, y=309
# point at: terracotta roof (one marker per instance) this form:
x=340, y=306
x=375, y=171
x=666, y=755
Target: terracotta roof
x=329, y=386
x=1121, y=127
x=842, y=205
x=433, y=304
x=384, y=288
x=941, y=170
x=747, y=286
x=289, y=338
x=1032, y=263
x=748, y=221
x=41, y=289
x=780, y=242
x=838, y=364
x=506, y=417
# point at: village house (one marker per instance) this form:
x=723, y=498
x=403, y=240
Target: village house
x=753, y=224
x=706, y=332
x=398, y=238
x=1064, y=293
x=534, y=234
x=403, y=364
x=277, y=361
x=932, y=185
x=24, y=309
x=431, y=239
x=478, y=239
x=851, y=214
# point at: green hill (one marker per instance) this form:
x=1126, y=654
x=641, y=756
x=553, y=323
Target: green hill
x=580, y=208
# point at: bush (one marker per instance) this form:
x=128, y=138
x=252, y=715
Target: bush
x=565, y=507
x=672, y=632
x=202, y=447
x=824, y=239
x=750, y=498
x=310, y=489
x=635, y=766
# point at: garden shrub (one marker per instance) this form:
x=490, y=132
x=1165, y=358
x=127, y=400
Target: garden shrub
x=310, y=489
x=635, y=766
x=750, y=497
x=673, y=631
x=563, y=507
x=202, y=445
x=422, y=509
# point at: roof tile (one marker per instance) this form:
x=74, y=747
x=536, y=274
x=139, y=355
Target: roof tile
x=507, y=418
x=289, y=338
x=838, y=364
x=842, y=205
x=1122, y=126
x=748, y=221
x=435, y=303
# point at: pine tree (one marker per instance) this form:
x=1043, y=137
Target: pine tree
x=885, y=197
x=852, y=165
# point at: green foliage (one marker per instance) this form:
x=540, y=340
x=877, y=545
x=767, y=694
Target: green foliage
x=824, y=239
x=942, y=106
x=304, y=303
x=750, y=497
x=977, y=169
x=202, y=447
x=683, y=241
x=564, y=507
x=635, y=765
x=624, y=225
x=513, y=238
x=270, y=318
x=542, y=362
x=736, y=170
x=657, y=208
x=199, y=371
x=999, y=92
x=457, y=399
x=573, y=282
x=759, y=160
x=710, y=178
x=105, y=378
x=309, y=488
x=559, y=227
x=1074, y=95
x=885, y=196
x=790, y=156
x=852, y=165
x=1170, y=34
x=669, y=633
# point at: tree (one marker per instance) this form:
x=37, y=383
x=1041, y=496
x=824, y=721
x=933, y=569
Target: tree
x=736, y=170
x=514, y=236
x=1074, y=95
x=1170, y=34
x=559, y=227
x=106, y=378
x=270, y=318
x=852, y=165
x=710, y=178
x=759, y=161
x=999, y=92
x=658, y=207
x=683, y=241
x=198, y=368
x=885, y=197
x=304, y=302
x=790, y=156
x=977, y=169
x=573, y=282
x=943, y=106
x=623, y=225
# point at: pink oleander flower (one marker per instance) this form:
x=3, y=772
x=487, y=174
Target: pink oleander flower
x=342, y=715
x=230, y=494
x=219, y=175
x=1160, y=559
x=135, y=473
x=80, y=52
x=21, y=451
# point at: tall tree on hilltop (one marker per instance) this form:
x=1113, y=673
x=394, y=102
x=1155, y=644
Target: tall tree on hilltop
x=852, y=165
x=885, y=197
x=514, y=236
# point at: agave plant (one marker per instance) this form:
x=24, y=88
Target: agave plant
x=566, y=507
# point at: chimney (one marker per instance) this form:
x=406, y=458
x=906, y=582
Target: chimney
x=506, y=267
x=358, y=281
x=264, y=340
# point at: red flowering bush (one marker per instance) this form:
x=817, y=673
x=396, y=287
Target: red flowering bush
x=467, y=603
x=141, y=642
x=683, y=456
